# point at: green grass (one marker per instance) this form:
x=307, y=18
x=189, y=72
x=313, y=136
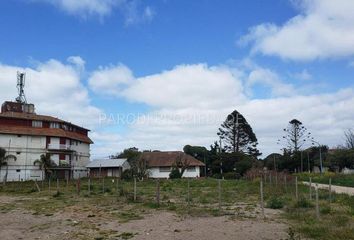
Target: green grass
x=337, y=179
x=239, y=198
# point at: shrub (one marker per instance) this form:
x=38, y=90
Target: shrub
x=175, y=174
x=127, y=175
x=232, y=175
x=217, y=176
x=275, y=203
x=303, y=203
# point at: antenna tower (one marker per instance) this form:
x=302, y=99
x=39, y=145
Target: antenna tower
x=20, y=87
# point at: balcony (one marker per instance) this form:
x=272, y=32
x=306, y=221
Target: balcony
x=61, y=147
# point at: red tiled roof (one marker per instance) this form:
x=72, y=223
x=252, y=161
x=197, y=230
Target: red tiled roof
x=33, y=116
x=168, y=159
x=52, y=132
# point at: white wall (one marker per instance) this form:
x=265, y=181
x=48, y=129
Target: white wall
x=155, y=173
x=28, y=149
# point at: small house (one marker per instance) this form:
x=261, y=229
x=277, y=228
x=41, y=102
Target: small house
x=112, y=167
x=160, y=164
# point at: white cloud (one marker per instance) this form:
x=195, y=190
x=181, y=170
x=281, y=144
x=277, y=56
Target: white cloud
x=110, y=80
x=132, y=10
x=303, y=75
x=54, y=88
x=323, y=29
x=191, y=101
x=86, y=8
x=270, y=79
x=188, y=86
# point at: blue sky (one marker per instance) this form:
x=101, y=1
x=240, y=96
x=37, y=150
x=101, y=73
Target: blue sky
x=142, y=57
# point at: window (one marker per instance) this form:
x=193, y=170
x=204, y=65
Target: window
x=165, y=169
x=54, y=125
x=191, y=169
x=37, y=124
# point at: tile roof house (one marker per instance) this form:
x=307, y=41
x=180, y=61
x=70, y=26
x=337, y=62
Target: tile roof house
x=160, y=164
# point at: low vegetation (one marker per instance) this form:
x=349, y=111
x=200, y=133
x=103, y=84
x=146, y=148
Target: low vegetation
x=238, y=198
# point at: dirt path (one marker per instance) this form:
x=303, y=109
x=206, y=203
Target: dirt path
x=73, y=223
x=336, y=189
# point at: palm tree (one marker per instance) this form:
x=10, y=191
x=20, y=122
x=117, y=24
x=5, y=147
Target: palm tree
x=45, y=164
x=3, y=162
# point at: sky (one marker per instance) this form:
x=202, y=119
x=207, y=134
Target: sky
x=165, y=73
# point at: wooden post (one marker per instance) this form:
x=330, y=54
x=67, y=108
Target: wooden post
x=158, y=193
x=117, y=187
x=103, y=185
x=35, y=182
x=57, y=184
x=134, y=189
x=262, y=199
x=296, y=190
x=317, y=205
x=67, y=181
x=188, y=193
x=276, y=179
x=219, y=190
x=330, y=190
x=89, y=185
x=270, y=178
x=285, y=183
x=310, y=189
x=49, y=185
x=78, y=186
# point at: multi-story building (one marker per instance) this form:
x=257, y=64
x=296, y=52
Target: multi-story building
x=26, y=135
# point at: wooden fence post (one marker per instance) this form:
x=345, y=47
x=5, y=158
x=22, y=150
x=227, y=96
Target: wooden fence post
x=58, y=184
x=330, y=190
x=310, y=189
x=158, y=193
x=49, y=185
x=296, y=190
x=89, y=185
x=117, y=187
x=134, y=189
x=78, y=186
x=317, y=204
x=103, y=185
x=219, y=190
x=285, y=183
x=35, y=182
x=188, y=193
x=262, y=198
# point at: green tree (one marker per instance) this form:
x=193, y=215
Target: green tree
x=238, y=135
x=4, y=162
x=137, y=163
x=45, y=164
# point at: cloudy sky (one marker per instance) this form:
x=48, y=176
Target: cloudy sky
x=165, y=73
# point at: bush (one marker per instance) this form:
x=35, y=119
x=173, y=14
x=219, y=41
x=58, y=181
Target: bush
x=232, y=175
x=127, y=175
x=275, y=203
x=303, y=203
x=217, y=176
x=175, y=174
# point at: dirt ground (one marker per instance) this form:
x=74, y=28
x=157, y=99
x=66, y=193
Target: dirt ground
x=76, y=223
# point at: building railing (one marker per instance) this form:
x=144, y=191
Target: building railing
x=59, y=146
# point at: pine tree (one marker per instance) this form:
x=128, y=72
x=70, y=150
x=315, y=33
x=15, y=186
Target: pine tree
x=238, y=135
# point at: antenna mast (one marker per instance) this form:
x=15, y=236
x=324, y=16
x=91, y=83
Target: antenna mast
x=20, y=87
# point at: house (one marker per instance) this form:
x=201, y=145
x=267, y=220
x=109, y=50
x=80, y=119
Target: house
x=160, y=164
x=113, y=167
x=26, y=136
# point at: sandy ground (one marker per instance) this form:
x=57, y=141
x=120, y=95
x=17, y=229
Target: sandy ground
x=71, y=223
x=334, y=188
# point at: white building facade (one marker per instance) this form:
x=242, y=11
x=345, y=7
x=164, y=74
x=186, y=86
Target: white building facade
x=26, y=136
x=160, y=164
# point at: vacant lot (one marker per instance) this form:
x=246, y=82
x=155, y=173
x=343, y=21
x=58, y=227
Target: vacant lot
x=110, y=210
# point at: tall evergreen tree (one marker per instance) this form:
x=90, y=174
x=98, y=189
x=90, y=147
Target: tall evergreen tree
x=238, y=135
